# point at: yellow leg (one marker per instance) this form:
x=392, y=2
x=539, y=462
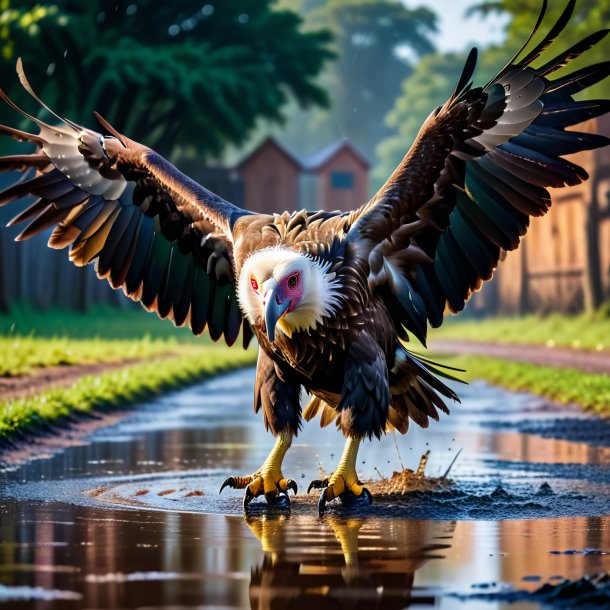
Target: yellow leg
x=268, y=480
x=344, y=478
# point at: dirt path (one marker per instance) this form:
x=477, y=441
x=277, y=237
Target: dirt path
x=73, y=429
x=45, y=378
x=562, y=357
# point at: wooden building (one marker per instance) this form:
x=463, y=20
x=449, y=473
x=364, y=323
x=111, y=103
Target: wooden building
x=335, y=178
x=269, y=179
x=563, y=263
x=274, y=179
x=270, y=176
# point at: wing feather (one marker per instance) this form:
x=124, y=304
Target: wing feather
x=478, y=170
x=148, y=229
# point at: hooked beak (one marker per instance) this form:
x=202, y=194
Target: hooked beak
x=273, y=311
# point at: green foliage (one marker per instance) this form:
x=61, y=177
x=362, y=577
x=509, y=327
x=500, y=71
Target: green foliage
x=584, y=331
x=563, y=385
x=117, y=389
x=436, y=75
x=366, y=77
x=430, y=85
x=589, y=16
x=164, y=73
x=376, y=42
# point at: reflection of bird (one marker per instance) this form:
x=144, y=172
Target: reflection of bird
x=343, y=563
x=331, y=297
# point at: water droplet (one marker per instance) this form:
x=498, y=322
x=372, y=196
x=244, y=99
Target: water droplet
x=173, y=30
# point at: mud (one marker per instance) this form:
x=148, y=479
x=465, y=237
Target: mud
x=132, y=518
x=46, y=378
x=585, y=360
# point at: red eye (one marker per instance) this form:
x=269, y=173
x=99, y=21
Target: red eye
x=254, y=284
x=293, y=280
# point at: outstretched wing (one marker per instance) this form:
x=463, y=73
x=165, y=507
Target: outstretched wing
x=149, y=229
x=477, y=172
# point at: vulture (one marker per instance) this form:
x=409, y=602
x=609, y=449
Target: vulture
x=334, y=299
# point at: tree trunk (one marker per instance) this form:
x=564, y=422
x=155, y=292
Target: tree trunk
x=4, y=283
x=524, y=299
x=592, y=281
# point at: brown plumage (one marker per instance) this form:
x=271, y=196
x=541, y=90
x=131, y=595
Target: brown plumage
x=464, y=192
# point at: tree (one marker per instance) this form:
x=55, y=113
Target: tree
x=168, y=73
x=186, y=78
x=430, y=85
x=589, y=16
x=376, y=44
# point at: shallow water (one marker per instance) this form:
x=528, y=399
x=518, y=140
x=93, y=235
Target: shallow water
x=133, y=519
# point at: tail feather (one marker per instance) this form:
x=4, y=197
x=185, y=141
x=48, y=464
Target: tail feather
x=417, y=392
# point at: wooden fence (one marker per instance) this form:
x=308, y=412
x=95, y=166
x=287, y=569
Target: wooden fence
x=32, y=273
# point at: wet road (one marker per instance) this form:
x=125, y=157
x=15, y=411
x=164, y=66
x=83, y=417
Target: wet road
x=132, y=519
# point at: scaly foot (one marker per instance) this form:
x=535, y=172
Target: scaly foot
x=272, y=485
x=343, y=483
x=268, y=480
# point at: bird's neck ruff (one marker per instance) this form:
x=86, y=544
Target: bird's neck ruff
x=321, y=289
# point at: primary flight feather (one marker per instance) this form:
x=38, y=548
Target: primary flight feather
x=331, y=297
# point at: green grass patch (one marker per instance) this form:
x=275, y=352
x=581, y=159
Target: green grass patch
x=105, y=322
x=563, y=385
x=30, y=339
x=586, y=331
x=21, y=355
x=133, y=384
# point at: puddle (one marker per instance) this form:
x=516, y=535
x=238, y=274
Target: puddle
x=133, y=518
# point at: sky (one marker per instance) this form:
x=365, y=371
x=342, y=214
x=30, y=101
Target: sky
x=455, y=31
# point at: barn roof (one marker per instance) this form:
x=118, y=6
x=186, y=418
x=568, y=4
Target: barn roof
x=313, y=162
x=270, y=141
x=320, y=158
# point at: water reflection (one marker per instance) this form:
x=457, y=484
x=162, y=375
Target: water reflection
x=57, y=543
x=107, y=558
x=342, y=563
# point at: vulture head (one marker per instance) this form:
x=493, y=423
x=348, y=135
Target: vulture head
x=290, y=291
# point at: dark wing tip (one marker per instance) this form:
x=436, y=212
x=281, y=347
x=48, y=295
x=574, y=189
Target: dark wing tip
x=467, y=72
x=109, y=128
x=26, y=85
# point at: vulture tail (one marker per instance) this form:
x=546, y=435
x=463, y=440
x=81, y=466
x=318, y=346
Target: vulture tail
x=417, y=393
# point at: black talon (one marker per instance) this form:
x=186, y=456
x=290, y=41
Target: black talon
x=327, y=495
x=367, y=494
x=350, y=499
x=292, y=484
x=229, y=482
x=248, y=497
x=322, y=502
x=278, y=500
x=317, y=484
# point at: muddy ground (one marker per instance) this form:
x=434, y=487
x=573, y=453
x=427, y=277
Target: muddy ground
x=132, y=518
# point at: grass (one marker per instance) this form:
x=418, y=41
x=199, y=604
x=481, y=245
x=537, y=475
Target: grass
x=585, y=331
x=133, y=384
x=563, y=385
x=21, y=355
x=105, y=322
x=30, y=339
